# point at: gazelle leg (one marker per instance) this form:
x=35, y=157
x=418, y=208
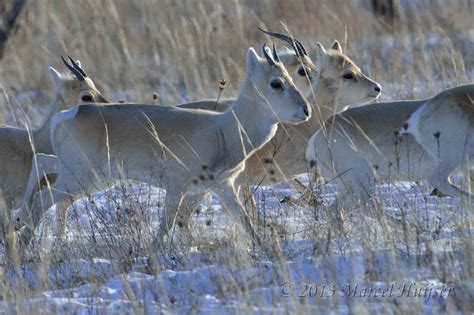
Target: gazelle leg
x=42, y=201
x=442, y=181
x=187, y=207
x=173, y=200
x=230, y=199
x=64, y=191
x=42, y=165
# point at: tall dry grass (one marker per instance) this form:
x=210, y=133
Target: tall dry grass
x=181, y=49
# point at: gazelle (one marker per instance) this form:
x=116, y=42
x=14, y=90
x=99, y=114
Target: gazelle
x=443, y=126
x=362, y=146
x=335, y=82
x=181, y=150
x=341, y=83
x=305, y=75
x=19, y=146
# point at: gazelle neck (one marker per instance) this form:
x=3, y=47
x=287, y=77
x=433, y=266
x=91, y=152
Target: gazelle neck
x=41, y=135
x=254, y=119
x=324, y=105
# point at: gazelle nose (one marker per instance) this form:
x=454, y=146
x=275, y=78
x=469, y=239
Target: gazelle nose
x=378, y=89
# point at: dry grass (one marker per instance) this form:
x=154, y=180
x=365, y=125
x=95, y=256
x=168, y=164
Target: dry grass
x=181, y=49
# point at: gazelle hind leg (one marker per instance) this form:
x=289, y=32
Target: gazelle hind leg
x=63, y=192
x=441, y=179
x=61, y=214
x=42, y=201
x=355, y=189
x=348, y=195
x=466, y=184
x=468, y=174
x=42, y=165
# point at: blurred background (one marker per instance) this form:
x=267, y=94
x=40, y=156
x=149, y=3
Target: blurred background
x=181, y=49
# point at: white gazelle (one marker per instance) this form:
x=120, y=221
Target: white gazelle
x=332, y=84
x=443, y=126
x=362, y=146
x=19, y=146
x=181, y=150
x=342, y=84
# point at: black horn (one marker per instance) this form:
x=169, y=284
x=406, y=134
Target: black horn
x=275, y=55
x=295, y=44
x=270, y=60
x=74, y=69
x=78, y=67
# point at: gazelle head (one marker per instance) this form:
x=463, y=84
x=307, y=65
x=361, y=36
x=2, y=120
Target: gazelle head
x=296, y=60
x=342, y=79
x=273, y=83
x=76, y=87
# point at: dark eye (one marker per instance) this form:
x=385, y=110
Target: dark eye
x=348, y=76
x=87, y=98
x=302, y=72
x=277, y=84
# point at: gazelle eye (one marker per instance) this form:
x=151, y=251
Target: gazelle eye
x=302, y=72
x=348, y=76
x=87, y=98
x=277, y=84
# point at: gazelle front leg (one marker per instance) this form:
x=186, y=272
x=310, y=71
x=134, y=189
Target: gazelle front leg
x=173, y=200
x=230, y=199
x=188, y=206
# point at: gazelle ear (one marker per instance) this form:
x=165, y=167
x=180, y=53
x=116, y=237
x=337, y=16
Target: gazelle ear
x=321, y=58
x=79, y=63
x=252, y=60
x=321, y=48
x=56, y=77
x=336, y=46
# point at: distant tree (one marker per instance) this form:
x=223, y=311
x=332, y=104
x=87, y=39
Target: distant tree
x=9, y=12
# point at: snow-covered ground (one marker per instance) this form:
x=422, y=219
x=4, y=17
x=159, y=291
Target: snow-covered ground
x=375, y=260
x=410, y=253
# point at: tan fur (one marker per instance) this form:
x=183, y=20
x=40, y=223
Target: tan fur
x=176, y=148
x=283, y=156
x=289, y=59
x=286, y=150
x=443, y=126
x=17, y=146
x=362, y=146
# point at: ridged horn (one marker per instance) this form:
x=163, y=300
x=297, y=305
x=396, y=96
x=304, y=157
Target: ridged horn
x=295, y=44
x=270, y=60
